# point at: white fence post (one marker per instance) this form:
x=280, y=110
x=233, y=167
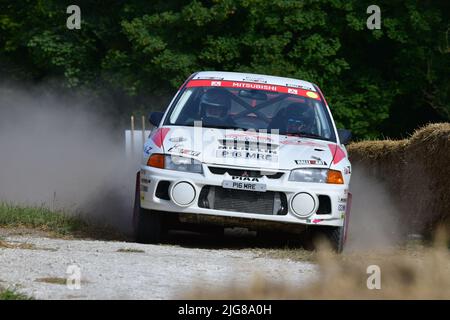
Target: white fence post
x=135, y=140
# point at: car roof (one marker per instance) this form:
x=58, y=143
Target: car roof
x=252, y=77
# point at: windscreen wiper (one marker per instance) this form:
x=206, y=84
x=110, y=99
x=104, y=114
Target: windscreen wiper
x=220, y=127
x=213, y=126
x=307, y=135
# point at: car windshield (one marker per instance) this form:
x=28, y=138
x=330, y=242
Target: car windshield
x=249, y=109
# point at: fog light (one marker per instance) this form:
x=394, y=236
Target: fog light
x=183, y=193
x=303, y=204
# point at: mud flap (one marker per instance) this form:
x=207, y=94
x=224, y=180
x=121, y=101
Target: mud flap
x=347, y=215
x=137, y=198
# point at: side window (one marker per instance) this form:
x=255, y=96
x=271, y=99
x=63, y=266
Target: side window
x=174, y=117
x=323, y=124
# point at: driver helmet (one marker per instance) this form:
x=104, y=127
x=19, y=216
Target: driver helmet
x=215, y=103
x=299, y=117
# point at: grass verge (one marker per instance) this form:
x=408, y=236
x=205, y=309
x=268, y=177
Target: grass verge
x=8, y=245
x=8, y=294
x=57, y=224
x=53, y=280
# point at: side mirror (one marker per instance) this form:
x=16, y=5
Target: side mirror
x=155, y=118
x=344, y=135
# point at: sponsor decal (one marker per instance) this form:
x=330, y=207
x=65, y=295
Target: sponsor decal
x=147, y=150
x=314, y=220
x=242, y=145
x=144, y=188
x=146, y=181
x=245, y=178
x=311, y=162
x=293, y=85
x=180, y=150
x=237, y=154
x=292, y=91
x=253, y=79
x=312, y=95
x=342, y=200
x=300, y=143
x=343, y=215
x=341, y=207
x=248, y=137
x=177, y=139
x=254, y=85
x=210, y=78
x=347, y=170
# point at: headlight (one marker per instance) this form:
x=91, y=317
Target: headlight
x=183, y=164
x=177, y=163
x=317, y=175
x=309, y=175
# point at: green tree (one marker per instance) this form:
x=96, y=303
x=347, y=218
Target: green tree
x=377, y=82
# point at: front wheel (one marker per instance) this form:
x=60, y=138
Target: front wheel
x=334, y=236
x=148, y=225
x=337, y=236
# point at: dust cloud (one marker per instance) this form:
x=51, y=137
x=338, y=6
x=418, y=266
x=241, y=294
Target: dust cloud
x=64, y=152
x=374, y=216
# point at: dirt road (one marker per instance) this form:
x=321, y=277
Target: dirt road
x=37, y=266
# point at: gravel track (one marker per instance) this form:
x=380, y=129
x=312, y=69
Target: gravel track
x=138, y=272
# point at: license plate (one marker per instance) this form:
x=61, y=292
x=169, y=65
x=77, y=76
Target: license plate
x=244, y=185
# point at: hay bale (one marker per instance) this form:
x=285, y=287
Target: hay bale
x=416, y=171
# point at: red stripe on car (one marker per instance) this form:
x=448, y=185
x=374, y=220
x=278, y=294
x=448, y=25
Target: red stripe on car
x=253, y=86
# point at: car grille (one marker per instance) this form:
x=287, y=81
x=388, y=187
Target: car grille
x=246, y=173
x=218, y=198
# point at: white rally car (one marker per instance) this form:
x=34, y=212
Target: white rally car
x=248, y=150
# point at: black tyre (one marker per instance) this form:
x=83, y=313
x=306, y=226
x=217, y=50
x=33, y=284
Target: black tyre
x=147, y=224
x=334, y=236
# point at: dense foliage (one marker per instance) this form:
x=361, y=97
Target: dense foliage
x=378, y=82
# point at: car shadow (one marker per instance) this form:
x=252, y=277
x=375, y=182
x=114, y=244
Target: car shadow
x=235, y=239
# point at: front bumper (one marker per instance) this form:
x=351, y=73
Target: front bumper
x=151, y=177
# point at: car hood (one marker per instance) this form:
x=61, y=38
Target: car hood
x=226, y=147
